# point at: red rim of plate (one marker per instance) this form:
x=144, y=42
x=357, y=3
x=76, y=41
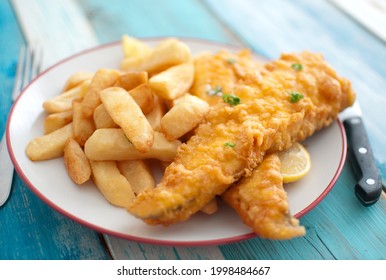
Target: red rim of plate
x=220, y=241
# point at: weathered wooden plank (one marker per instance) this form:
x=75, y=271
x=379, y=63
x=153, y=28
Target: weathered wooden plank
x=370, y=13
x=60, y=25
x=9, y=54
x=128, y=250
x=41, y=233
x=347, y=228
x=29, y=229
x=147, y=18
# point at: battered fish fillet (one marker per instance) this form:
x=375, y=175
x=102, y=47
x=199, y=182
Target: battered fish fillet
x=233, y=140
x=215, y=74
x=261, y=202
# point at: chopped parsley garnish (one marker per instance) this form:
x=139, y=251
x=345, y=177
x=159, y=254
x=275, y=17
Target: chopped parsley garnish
x=233, y=100
x=229, y=144
x=217, y=90
x=297, y=66
x=296, y=96
x=231, y=60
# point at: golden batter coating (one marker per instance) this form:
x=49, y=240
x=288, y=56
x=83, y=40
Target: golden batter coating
x=261, y=202
x=284, y=106
x=219, y=73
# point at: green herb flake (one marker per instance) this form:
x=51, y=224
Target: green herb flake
x=297, y=66
x=231, y=60
x=233, y=100
x=296, y=96
x=229, y=144
x=217, y=90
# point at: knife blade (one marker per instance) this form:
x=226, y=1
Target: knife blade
x=6, y=171
x=369, y=183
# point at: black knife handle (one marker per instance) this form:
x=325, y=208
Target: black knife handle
x=369, y=186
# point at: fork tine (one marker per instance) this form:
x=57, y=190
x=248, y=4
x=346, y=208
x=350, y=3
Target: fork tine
x=27, y=67
x=36, y=61
x=19, y=71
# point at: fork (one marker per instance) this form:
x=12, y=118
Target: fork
x=29, y=65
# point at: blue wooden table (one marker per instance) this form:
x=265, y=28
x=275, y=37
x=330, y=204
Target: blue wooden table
x=338, y=228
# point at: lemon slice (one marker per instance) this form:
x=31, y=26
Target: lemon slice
x=295, y=163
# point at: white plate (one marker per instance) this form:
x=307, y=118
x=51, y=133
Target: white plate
x=84, y=204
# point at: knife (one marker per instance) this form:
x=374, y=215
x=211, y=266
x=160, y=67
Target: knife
x=6, y=172
x=369, y=183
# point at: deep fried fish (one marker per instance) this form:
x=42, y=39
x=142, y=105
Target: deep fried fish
x=261, y=202
x=284, y=106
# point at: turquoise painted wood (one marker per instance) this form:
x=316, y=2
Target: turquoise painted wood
x=338, y=228
x=9, y=53
x=29, y=229
x=149, y=18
